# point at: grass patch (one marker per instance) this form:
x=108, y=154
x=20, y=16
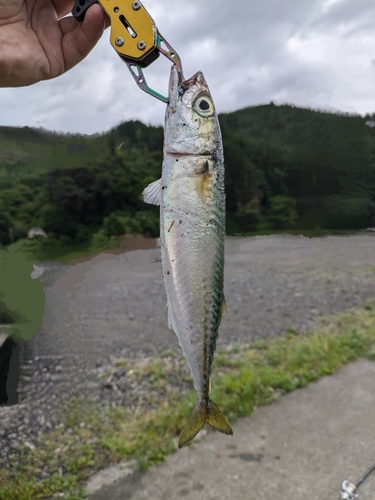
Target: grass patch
x=90, y=436
x=65, y=250
x=21, y=298
x=41, y=249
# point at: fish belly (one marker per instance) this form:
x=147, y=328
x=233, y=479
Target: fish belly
x=192, y=238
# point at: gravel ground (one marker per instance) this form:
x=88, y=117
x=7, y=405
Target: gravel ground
x=113, y=307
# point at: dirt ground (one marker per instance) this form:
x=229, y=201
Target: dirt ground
x=272, y=283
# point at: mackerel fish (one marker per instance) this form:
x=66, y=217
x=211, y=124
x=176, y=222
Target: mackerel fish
x=192, y=233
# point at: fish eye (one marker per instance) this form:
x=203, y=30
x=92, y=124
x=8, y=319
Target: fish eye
x=204, y=107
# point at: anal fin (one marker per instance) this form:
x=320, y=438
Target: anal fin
x=224, y=306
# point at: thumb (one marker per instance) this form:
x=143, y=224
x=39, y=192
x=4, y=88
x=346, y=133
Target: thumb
x=80, y=38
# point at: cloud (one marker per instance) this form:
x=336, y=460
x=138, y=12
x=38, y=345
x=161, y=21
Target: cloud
x=316, y=53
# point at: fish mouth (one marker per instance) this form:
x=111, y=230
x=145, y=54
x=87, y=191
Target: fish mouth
x=175, y=80
x=178, y=85
x=198, y=78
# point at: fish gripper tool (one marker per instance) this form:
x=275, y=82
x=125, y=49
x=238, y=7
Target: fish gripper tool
x=134, y=36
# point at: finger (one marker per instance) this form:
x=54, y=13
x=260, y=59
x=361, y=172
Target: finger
x=69, y=23
x=80, y=38
x=64, y=7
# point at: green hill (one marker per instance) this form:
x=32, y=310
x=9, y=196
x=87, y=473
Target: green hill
x=286, y=167
x=325, y=162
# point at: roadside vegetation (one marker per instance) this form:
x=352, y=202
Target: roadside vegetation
x=89, y=436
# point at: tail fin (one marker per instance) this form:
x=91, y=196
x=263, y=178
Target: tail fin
x=204, y=413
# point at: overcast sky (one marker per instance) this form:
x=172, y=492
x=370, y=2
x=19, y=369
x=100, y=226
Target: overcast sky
x=310, y=53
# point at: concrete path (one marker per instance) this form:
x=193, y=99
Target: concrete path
x=301, y=447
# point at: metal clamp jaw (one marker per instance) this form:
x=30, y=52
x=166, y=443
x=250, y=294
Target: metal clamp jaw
x=134, y=36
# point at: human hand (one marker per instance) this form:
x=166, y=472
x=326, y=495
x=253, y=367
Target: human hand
x=36, y=44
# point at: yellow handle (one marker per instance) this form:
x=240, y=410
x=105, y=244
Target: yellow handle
x=133, y=31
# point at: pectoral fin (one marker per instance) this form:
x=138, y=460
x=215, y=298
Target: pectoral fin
x=152, y=193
